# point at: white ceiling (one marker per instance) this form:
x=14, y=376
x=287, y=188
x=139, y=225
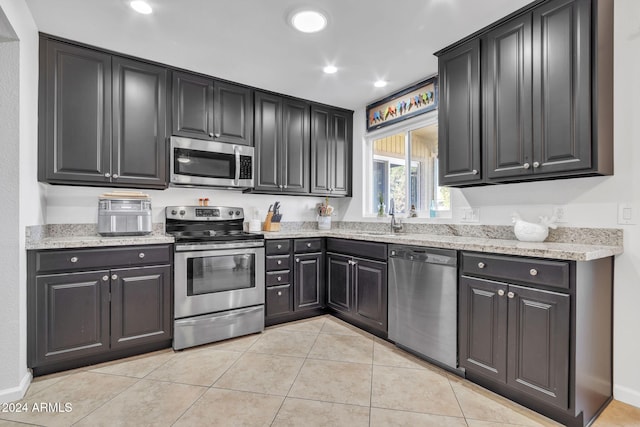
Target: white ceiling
x=250, y=42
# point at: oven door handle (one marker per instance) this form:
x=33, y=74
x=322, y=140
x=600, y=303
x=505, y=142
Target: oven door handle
x=236, y=152
x=218, y=317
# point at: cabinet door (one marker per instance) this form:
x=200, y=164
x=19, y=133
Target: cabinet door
x=370, y=293
x=538, y=344
x=340, y=159
x=309, y=281
x=339, y=282
x=268, y=134
x=562, y=86
x=71, y=316
x=506, y=77
x=233, y=113
x=321, y=148
x=75, y=114
x=139, y=126
x=141, y=310
x=459, y=136
x=295, y=146
x=482, y=333
x=192, y=101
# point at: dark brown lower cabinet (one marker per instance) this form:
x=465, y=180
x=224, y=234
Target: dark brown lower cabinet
x=77, y=318
x=544, y=341
x=309, y=281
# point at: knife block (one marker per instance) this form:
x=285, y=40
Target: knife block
x=270, y=226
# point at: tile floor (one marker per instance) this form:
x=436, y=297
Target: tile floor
x=316, y=372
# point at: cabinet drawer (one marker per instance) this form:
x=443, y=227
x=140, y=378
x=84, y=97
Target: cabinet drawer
x=307, y=245
x=358, y=248
x=277, y=247
x=511, y=269
x=84, y=259
x=278, y=262
x=278, y=300
x=277, y=277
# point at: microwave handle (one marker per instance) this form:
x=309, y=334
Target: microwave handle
x=236, y=152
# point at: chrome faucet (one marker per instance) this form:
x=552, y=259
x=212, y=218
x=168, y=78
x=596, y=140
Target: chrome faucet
x=396, y=225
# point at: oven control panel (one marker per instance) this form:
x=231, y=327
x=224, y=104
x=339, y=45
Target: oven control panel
x=206, y=213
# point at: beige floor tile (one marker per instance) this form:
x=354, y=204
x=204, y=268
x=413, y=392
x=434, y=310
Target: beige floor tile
x=311, y=413
x=331, y=381
x=388, y=417
x=387, y=354
x=344, y=348
x=482, y=405
x=618, y=414
x=414, y=390
x=336, y=326
x=40, y=383
x=5, y=423
x=478, y=423
x=147, y=403
x=312, y=325
x=284, y=343
x=137, y=366
x=262, y=373
x=235, y=344
x=85, y=391
x=218, y=407
x=199, y=367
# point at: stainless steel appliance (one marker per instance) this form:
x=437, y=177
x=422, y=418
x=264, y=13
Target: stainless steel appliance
x=124, y=216
x=212, y=164
x=219, y=279
x=423, y=302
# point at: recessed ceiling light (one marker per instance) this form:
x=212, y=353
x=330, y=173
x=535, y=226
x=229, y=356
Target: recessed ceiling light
x=141, y=7
x=308, y=21
x=380, y=83
x=330, y=69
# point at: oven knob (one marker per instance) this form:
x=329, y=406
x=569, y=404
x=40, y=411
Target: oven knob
x=174, y=212
x=182, y=212
x=237, y=212
x=230, y=213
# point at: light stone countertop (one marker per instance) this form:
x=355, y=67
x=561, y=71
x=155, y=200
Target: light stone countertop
x=60, y=239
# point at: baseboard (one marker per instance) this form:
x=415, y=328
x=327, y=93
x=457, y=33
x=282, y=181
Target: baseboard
x=626, y=395
x=16, y=393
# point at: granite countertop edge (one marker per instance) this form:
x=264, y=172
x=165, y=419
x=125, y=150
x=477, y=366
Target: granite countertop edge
x=551, y=250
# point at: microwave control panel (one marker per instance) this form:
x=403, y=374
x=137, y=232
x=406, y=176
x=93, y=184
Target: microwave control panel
x=245, y=167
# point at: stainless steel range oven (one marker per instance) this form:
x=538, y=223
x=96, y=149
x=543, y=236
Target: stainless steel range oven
x=218, y=275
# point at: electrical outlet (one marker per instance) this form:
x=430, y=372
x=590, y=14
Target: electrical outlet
x=626, y=214
x=470, y=215
x=559, y=213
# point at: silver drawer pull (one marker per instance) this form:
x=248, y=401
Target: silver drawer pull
x=279, y=279
x=500, y=292
x=511, y=294
x=533, y=272
x=105, y=278
x=297, y=259
x=475, y=171
x=279, y=293
x=115, y=176
x=308, y=245
x=74, y=259
x=279, y=246
x=481, y=265
x=114, y=277
x=279, y=261
x=141, y=255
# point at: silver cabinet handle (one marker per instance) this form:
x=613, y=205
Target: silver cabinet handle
x=526, y=165
x=308, y=245
x=279, y=261
x=536, y=164
x=297, y=259
x=217, y=135
x=105, y=278
x=141, y=255
x=285, y=186
x=511, y=294
x=279, y=278
x=475, y=171
x=107, y=175
x=279, y=293
x=279, y=246
x=500, y=292
x=114, y=277
x=74, y=259
x=280, y=186
x=210, y=134
x=481, y=265
x=533, y=272
x=115, y=176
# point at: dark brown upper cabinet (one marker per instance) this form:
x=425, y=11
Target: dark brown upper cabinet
x=546, y=91
x=282, y=144
x=205, y=108
x=102, y=119
x=331, y=141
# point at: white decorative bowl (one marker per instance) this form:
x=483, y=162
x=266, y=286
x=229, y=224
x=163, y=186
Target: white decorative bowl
x=530, y=232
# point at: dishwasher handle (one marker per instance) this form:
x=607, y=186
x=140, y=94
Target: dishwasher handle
x=425, y=255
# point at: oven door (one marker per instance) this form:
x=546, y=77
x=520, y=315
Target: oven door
x=209, y=281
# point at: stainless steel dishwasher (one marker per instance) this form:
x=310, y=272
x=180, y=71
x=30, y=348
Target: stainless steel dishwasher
x=423, y=302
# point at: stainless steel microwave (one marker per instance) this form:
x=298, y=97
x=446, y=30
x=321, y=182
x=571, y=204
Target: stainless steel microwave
x=201, y=163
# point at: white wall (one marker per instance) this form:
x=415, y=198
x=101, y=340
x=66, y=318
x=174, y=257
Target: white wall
x=589, y=202
x=19, y=190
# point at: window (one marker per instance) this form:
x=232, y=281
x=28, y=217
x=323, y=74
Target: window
x=404, y=167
